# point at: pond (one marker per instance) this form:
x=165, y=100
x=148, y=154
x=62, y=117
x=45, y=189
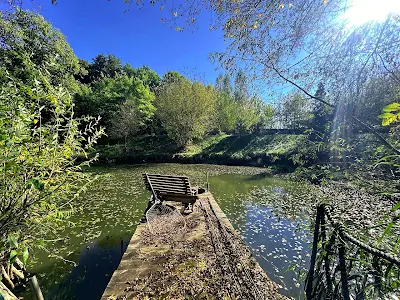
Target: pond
x=269, y=212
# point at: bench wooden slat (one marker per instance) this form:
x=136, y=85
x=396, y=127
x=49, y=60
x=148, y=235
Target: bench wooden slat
x=170, y=187
x=165, y=176
x=166, y=182
x=169, y=177
x=164, y=189
x=180, y=182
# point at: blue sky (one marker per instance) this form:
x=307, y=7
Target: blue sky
x=137, y=36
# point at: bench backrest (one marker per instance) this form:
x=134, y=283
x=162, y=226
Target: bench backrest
x=168, y=184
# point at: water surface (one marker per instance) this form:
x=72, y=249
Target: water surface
x=268, y=212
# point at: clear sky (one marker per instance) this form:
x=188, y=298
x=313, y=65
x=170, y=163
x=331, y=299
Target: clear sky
x=136, y=37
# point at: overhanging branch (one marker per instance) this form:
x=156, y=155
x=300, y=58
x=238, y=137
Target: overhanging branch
x=364, y=125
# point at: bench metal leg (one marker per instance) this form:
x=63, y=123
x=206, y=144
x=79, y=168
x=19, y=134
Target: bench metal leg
x=149, y=205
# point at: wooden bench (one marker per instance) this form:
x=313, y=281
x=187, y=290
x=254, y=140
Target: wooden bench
x=171, y=188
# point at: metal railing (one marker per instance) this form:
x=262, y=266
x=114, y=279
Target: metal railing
x=343, y=267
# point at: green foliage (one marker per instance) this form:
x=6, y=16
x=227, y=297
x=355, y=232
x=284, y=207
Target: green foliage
x=102, y=66
x=248, y=115
x=126, y=121
x=27, y=37
x=378, y=93
x=42, y=145
x=236, y=111
x=40, y=174
x=391, y=114
x=241, y=92
x=184, y=109
x=296, y=111
x=171, y=77
x=149, y=77
x=267, y=113
x=226, y=112
x=104, y=98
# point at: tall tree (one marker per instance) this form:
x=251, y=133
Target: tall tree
x=39, y=165
x=226, y=113
x=224, y=84
x=184, y=108
x=296, y=111
x=241, y=92
x=126, y=121
x=104, y=66
x=170, y=77
x=322, y=117
x=103, y=98
x=148, y=76
x=28, y=41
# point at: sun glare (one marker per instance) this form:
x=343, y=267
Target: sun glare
x=362, y=11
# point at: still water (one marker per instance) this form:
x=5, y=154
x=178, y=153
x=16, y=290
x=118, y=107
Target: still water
x=270, y=213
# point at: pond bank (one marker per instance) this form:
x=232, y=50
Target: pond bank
x=206, y=259
x=247, y=150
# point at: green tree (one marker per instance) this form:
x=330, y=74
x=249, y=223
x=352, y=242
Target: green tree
x=28, y=37
x=185, y=109
x=241, y=91
x=126, y=121
x=104, y=66
x=296, y=111
x=223, y=84
x=149, y=77
x=236, y=111
x=377, y=93
x=83, y=74
x=103, y=98
x=266, y=119
x=170, y=77
x=40, y=171
x=226, y=112
x=226, y=106
x=248, y=115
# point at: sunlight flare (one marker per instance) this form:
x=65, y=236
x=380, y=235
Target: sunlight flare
x=362, y=11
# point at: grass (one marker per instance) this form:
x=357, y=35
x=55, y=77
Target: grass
x=222, y=148
x=253, y=145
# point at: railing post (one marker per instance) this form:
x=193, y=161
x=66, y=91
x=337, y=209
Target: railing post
x=36, y=288
x=208, y=185
x=326, y=257
x=342, y=266
x=378, y=276
x=310, y=276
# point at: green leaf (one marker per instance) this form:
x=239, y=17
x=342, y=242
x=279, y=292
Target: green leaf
x=387, y=229
x=25, y=255
x=391, y=114
x=12, y=240
x=392, y=107
x=13, y=255
x=388, y=269
x=397, y=206
x=39, y=185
